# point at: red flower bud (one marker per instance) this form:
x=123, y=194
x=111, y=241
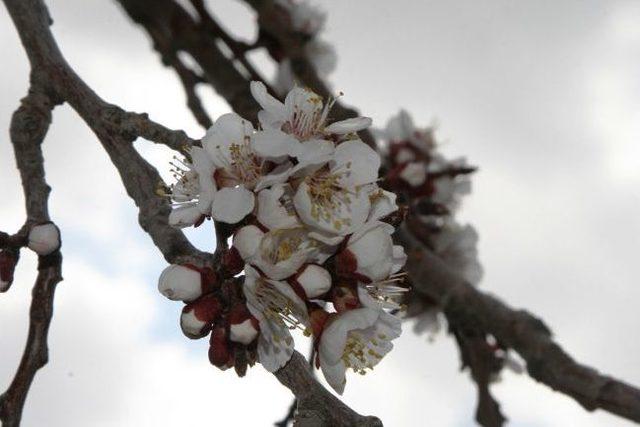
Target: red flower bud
x=198, y=316
x=219, y=350
x=232, y=261
x=7, y=266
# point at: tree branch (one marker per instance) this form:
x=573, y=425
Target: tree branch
x=29, y=126
x=546, y=361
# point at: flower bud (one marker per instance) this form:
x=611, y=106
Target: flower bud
x=247, y=240
x=314, y=279
x=44, y=238
x=318, y=318
x=243, y=327
x=7, y=266
x=220, y=354
x=232, y=261
x=197, y=317
x=180, y=283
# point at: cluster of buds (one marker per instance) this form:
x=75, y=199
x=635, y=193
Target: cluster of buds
x=432, y=186
x=310, y=228
x=213, y=309
x=308, y=21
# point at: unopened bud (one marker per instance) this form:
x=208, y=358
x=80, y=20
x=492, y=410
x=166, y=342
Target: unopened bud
x=197, y=317
x=7, y=266
x=314, y=279
x=44, y=238
x=243, y=327
x=180, y=283
x=219, y=351
x=232, y=261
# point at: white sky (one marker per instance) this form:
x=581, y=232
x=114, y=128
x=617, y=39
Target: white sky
x=543, y=96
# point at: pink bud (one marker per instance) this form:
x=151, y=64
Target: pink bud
x=314, y=279
x=197, y=317
x=180, y=283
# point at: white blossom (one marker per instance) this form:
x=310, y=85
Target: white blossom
x=194, y=190
x=356, y=339
x=277, y=309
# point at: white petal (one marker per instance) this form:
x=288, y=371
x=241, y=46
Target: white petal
x=373, y=252
x=415, y=174
x=275, y=144
x=349, y=125
x=344, y=218
x=179, y=283
x=203, y=165
x=44, y=238
x=359, y=160
x=247, y=240
x=271, y=212
x=231, y=205
x=404, y=155
x=280, y=174
x=184, y=216
x=399, y=259
x=334, y=374
x=384, y=203
x=228, y=129
x=243, y=333
x=266, y=101
x=334, y=336
x=302, y=100
x=315, y=280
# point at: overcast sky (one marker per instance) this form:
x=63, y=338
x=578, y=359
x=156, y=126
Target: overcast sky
x=544, y=96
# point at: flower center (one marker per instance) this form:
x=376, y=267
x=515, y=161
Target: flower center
x=187, y=187
x=328, y=196
x=243, y=166
x=361, y=353
x=307, y=122
x=279, y=308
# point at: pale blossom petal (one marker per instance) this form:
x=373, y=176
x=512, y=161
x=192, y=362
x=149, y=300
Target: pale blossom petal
x=231, y=205
x=315, y=280
x=275, y=208
x=267, y=102
x=227, y=130
x=354, y=124
x=277, y=176
x=359, y=162
x=342, y=218
x=247, y=241
x=185, y=216
x=203, y=166
x=414, y=173
x=275, y=144
x=383, y=203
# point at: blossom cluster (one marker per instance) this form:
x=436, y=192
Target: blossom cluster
x=433, y=186
x=310, y=230
x=307, y=20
